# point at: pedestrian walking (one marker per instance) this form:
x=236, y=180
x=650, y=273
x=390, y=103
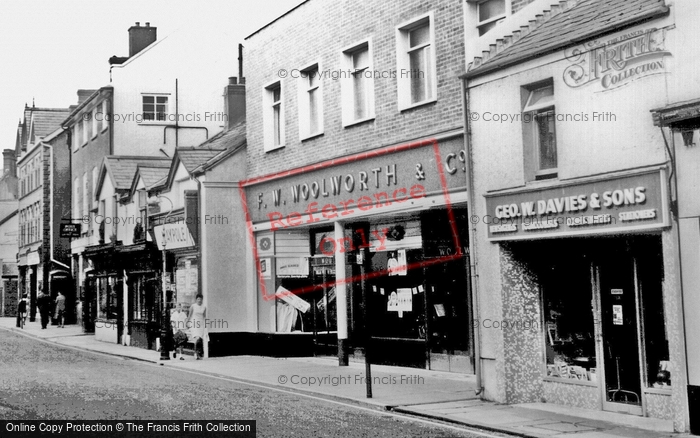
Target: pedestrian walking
x=179, y=322
x=196, y=322
x=44, y=302
x=60, y=309
x=22, y=311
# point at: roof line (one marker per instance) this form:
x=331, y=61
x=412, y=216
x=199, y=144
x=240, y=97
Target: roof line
x=502, y=64
x=9, y=216
x=276, y=19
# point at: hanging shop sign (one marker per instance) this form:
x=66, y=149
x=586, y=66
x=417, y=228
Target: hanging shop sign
x=173, y=236
x=70, y=230
x=379, y=180
x=617, y=61
x=622, y=204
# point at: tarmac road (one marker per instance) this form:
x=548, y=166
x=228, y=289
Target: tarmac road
x=43, y=381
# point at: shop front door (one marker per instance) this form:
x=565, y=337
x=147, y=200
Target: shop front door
x=622, y=388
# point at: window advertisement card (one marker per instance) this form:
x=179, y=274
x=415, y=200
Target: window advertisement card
x=617, y=314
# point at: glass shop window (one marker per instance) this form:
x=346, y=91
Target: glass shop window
x=568, y=322
x=107, y=290
x=650, y=277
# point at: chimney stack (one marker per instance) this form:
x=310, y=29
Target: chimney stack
x=141, y=37
x=234, y=102
x=9, y=162
x=83, y=95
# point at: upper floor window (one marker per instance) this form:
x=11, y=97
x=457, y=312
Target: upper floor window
x=94, y=187
x=95, y=116
x=155, y=107
x=539, y=130
x=490, y=13
x=104, y=116
x=273, y=117
x=84, y=131
x=358, y=87
x=310, y=103
x=416, y=62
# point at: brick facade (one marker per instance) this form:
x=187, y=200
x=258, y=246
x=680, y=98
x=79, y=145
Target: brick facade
x=318, y=31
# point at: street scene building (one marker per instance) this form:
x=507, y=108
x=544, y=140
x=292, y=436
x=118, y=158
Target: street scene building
x=578, y=231
x=355, y=189
x=492, y=204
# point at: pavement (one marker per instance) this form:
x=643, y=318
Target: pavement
x=430, y=394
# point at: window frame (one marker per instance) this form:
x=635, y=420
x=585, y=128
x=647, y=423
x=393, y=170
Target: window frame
x=304, y=89
x=495, y=19
x=105, y=109
x=403, y=63
x=83, y=131
x=155, y=97
x=531, y=136
x=95, y=129
x=349, y=104
x=269, y=106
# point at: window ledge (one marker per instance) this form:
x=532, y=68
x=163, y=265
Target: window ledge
x=311, y=136
x=274, y=148
x=359, y=121
x=154, y=123
x=417, y=105
x=571, y=381
x=659, y=391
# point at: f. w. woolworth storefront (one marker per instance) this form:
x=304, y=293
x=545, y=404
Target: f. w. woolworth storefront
x=367, y=246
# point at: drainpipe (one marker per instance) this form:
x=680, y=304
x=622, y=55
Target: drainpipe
x=472, y=239
x=200, y=246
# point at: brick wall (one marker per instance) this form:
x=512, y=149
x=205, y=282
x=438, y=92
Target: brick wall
x=318, y=31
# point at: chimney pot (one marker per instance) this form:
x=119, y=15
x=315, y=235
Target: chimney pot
x=232, y=80
x=138, y=24
x=148, y=24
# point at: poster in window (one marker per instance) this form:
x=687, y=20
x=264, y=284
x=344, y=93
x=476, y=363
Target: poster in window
x=265, y=271
x=617, y=314
x=396, y=264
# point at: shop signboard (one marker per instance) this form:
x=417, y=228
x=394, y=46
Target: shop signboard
x=361, y=184
x=594, y=206
x=173, y=236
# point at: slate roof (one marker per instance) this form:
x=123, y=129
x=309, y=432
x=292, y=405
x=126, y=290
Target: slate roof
x=123, y=168
x=199, y=158
x=151, y=175
x=567, y=23
x=46, y=120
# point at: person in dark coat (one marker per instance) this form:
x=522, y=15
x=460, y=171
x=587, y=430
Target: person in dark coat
x=22, y=310
x=44, y=303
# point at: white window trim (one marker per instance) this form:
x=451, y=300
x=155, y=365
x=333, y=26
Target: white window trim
x=76, y=137
x=105, y=122
x=346, y=85
x=480, y=24
x=544, y=105
x=403, y=81
x=268, y=114
x=95, y=129
x=304, y=111
x=83, y=131
x=167, y=109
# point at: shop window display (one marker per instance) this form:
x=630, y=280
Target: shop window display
x=568, y=317
x=107, y=289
